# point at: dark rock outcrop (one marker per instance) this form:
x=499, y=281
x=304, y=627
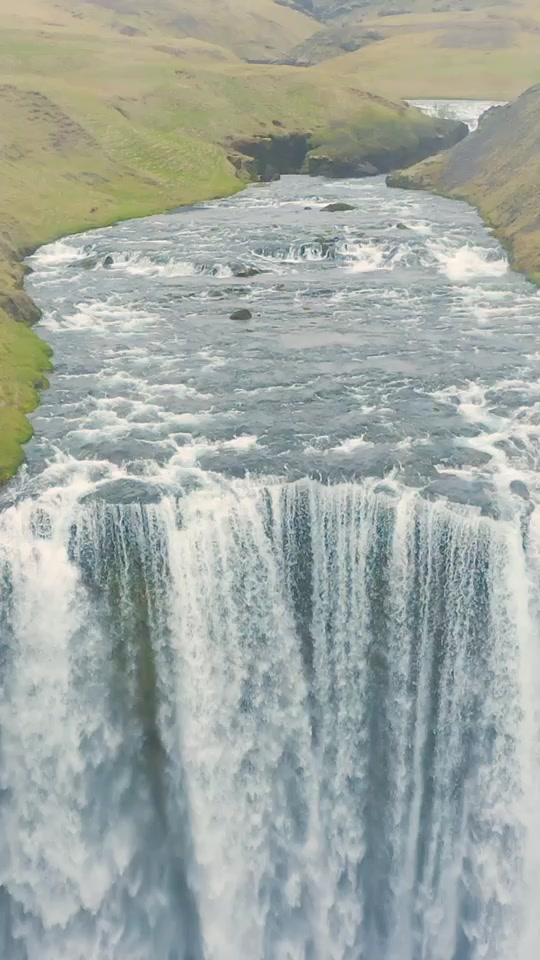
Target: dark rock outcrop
x=342, y=154
x=338, y=207
x=18, y=305
x=265, y=158
x=242, y=314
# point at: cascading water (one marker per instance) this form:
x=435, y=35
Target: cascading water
x=269, y=630
x=269, y=720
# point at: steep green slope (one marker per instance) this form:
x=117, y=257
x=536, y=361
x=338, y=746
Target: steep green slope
x=498, y=170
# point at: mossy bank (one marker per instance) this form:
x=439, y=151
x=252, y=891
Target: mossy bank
x=497, y=169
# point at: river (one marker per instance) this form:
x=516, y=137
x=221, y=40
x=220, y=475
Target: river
x=271, y=591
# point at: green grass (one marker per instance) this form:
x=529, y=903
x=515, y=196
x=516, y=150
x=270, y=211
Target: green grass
x=249, y=28
x=24, y=360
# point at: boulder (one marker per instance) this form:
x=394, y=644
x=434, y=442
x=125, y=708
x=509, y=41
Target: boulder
x=247, y=272
x=108, y=261
x=337, y=207
x=402, y=226
x=88, y=263
x=241, y=314
x=327, y=244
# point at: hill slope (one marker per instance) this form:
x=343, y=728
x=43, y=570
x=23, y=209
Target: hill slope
x=327, y=10
x=249, y=28
x=498, y=170
x=431, y=48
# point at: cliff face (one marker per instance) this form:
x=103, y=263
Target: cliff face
x=497, y=169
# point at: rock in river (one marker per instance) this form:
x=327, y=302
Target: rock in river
x=338, y=207
x=241, y=314
x=247, y=272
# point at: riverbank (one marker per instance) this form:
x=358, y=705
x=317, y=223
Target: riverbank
x=497, y=170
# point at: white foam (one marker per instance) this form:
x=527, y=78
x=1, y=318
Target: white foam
x=365, y=257
x=347, y=447
x=190, y=454
x=241, y=443
x=350, y=445
x=295, y=253
x=467, y=262
x=58, y=253
x=140, y=265
x=99, y=317
x=510, y=440
x=468, y=111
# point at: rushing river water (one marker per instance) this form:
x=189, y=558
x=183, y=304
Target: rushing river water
x=270, y=619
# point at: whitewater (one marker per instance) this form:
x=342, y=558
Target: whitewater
x=270, y=618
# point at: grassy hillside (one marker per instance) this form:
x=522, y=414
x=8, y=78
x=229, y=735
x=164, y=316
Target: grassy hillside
x=249, y=28
x=109, y=111
x=333, y=40
x=498, y=170
x=436, y=48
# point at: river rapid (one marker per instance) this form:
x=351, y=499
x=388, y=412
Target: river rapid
x=270, y=615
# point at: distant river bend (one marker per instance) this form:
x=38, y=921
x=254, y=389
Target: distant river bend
x=271, y=590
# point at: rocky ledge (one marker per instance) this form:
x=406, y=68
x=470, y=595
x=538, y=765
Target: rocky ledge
x=371, y=150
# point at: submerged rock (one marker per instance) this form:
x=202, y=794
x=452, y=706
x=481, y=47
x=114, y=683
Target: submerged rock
x=87, y=264
x=247, y=272
x=242, y=314
x=520, y=489
x=327, y=245
x=108, y=261
x=402, y=226
x=338, y=207
x=124, y=491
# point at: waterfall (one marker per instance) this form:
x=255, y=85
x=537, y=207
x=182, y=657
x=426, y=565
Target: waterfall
x=268, y=721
